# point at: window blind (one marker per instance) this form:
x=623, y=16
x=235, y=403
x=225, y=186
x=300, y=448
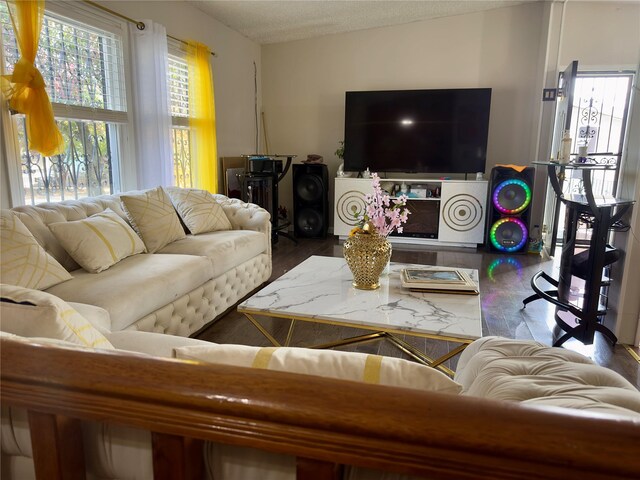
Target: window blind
x=82, y=67
x=178, y=87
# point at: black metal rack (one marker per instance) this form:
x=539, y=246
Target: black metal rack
x=580, y=314
x=260, y=186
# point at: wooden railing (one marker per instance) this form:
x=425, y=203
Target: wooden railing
x=325, y=423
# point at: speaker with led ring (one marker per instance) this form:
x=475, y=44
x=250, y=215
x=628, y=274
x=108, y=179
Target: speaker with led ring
x=510, y=209
x=310, y=200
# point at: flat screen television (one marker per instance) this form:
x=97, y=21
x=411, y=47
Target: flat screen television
x=417, y=131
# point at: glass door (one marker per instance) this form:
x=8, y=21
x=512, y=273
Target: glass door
x=600, y=107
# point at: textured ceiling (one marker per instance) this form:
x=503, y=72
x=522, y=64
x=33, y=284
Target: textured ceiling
x=272, y=21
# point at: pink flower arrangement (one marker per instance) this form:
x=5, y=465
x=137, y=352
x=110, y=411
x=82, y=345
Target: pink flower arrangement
x=386, y=215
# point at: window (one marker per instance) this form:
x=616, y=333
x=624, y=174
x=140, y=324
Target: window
x=83, y=68
x=178, y=78
x=599, y=120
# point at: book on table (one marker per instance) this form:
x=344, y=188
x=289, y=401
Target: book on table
x=438, y=280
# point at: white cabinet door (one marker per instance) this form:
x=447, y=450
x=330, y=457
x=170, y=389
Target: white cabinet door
x=463, y=211
x=349, y=203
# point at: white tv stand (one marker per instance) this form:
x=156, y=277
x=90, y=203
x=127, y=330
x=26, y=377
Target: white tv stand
x=460, y=213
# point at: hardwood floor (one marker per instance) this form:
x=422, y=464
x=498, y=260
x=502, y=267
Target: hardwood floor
x=504, y=283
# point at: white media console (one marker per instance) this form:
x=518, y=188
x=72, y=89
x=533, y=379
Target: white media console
x=444, y=212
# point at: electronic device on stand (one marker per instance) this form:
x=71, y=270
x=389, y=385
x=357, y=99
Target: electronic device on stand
x=442, y=131
x=260, y=186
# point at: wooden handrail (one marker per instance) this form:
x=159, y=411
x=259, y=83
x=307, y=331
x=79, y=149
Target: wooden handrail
x=322, y=421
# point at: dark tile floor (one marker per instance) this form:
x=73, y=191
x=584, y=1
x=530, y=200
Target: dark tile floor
x=504, y=283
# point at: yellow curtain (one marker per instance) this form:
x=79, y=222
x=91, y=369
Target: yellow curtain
x=25, y=87
x=202, y=117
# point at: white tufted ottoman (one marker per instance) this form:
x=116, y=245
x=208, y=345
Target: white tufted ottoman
x=532, y=373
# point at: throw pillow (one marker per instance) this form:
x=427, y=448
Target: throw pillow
x=152, y=215
x=43, y=340
x=32, y=313
x=326, y=363
x=199, y=210
x=98, y=242
x=23, y=261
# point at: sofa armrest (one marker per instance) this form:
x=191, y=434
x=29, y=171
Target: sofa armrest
x=324, y=422
x=530, y=372
x=245, y=216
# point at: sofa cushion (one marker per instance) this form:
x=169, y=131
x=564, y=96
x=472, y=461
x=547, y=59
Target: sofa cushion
x=99, y=241
x=152, y=215
x=33, y=313
x=24, y=262
x=136, y=286
x=532, y=373
x=327, y=363
x=151, y=343
x=198, y=209
x=225, y=249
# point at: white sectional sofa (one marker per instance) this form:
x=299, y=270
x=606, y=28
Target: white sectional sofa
x=176, y=290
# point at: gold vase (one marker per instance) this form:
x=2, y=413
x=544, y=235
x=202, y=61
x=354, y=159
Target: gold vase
x=366, y=255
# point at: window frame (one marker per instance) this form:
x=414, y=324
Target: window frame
x=123, y=161
x=177, y=49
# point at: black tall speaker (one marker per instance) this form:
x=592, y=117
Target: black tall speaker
x=509, y=209
x=310, y=200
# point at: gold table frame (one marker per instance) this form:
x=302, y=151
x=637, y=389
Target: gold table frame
x=386, y=334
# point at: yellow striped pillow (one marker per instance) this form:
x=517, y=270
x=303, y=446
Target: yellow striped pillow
x=199, y=210
x=23, y=261
x=33, y=313
x=152, y=215
x=98, y=242
x=353, y=366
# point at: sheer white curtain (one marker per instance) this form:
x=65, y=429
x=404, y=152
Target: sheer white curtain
x=150, y=107
x=11, y=193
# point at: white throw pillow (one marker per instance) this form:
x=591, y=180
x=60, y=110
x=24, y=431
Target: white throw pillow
x=23, y=261
x=43, y=340
x=152, y=215
x=326, y=363
x=32, y=313
x=98, y=242
x=199, y=210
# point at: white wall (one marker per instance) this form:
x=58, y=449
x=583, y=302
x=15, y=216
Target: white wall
x=304, y=81
x=601, y=34
x=233, y=72
x=623, y=293
x=542, y=137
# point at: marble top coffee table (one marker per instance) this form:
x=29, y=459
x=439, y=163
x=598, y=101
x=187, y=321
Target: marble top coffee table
x=319, y=290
